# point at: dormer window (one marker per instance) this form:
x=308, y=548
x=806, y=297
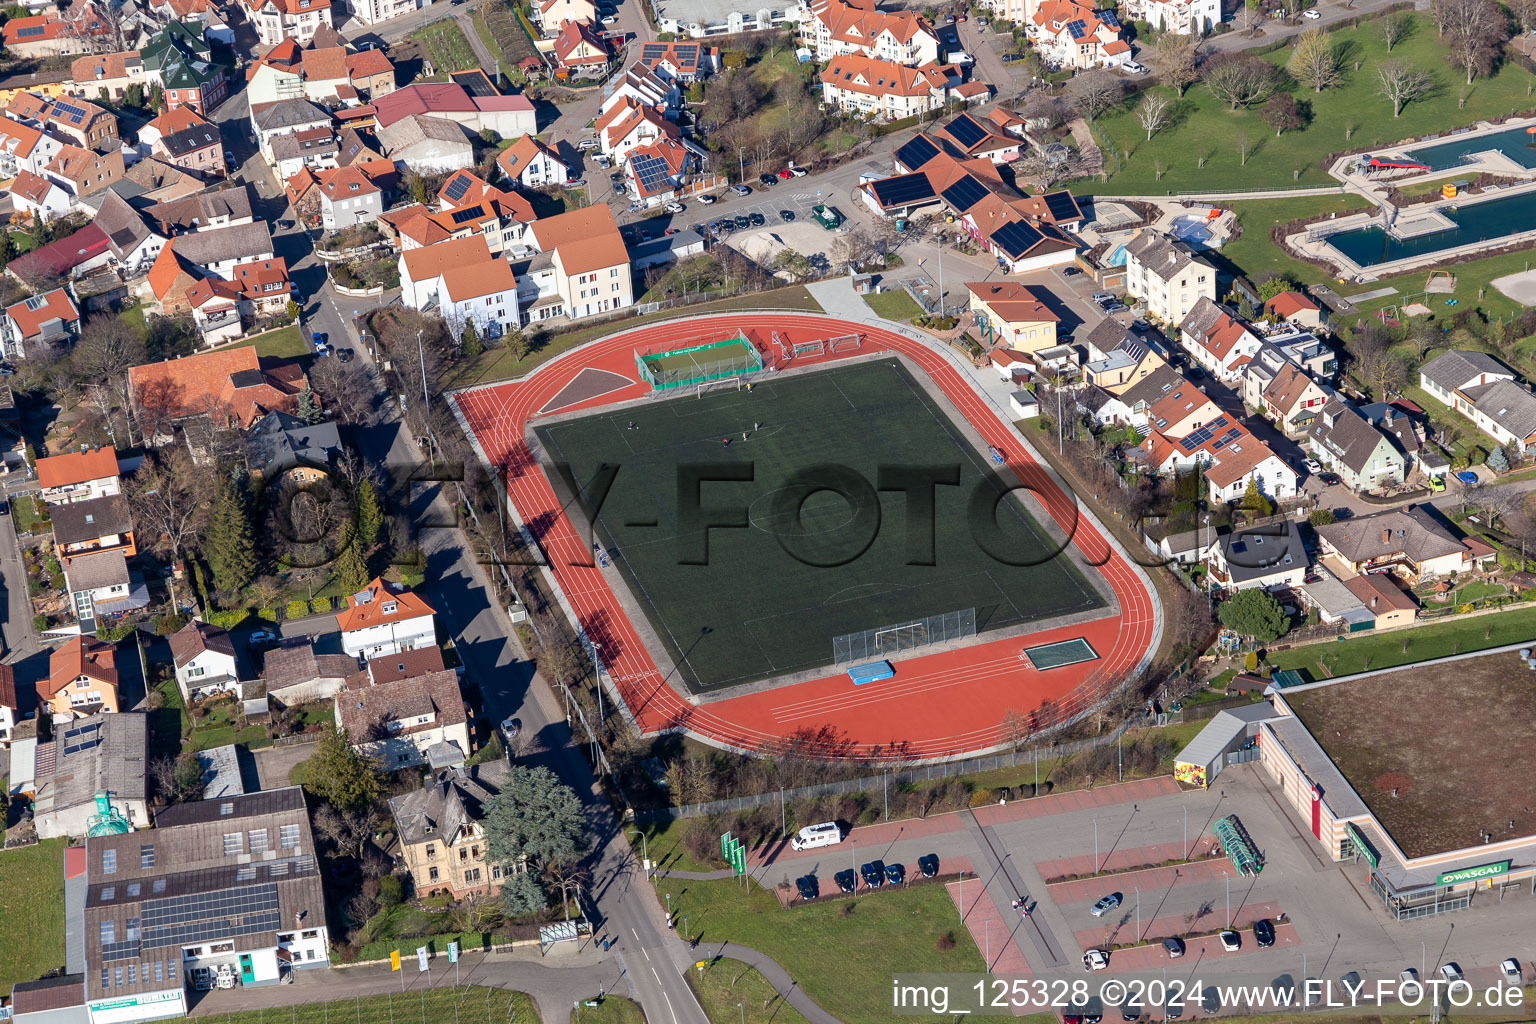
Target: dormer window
x=390, y=607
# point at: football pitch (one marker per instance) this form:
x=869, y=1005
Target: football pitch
x=787, y=566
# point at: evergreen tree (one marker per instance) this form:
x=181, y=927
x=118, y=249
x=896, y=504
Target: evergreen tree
x=1254, y=500
x=308, y=409
x=470, y=342
x=7, y=248
x=1497, y=460
x=370, y=517
x=340, y=774
x=350, y=566
x=523, y=895
x=293, y=309
x=229, y=545
x=156, y=98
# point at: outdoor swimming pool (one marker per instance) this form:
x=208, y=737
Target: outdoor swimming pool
x=1514, y=143
x=1480, y=222
x=1192, y=230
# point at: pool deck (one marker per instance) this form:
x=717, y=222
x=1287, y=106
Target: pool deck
x=1411, y=221
x=1420, y=218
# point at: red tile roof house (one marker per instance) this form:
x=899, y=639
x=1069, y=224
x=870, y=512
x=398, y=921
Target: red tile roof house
x=78, y=476
x=48, y=319
x=38, y=198
x=40, y=36
x=383, y=619
x=221, y=308
x=1296, y=308
x=578, y=51
x=85, y=250
x=232, y=387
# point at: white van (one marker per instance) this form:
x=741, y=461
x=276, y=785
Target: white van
x=812, y=836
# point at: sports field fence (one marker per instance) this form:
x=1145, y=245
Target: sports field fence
x=883, y=641
x=733, y=356
x=921, y=773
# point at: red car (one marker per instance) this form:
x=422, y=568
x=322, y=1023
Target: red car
x=786, y=174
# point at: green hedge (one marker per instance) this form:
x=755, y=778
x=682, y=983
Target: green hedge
x=298, y=609
x=268, y=614
x=320, y=605
x=228, y=619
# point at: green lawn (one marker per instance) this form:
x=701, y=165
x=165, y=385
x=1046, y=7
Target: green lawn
x=1256, y=256
x=1437, y=640
x=609, y=1010
x=1476, y=591
x=497, y=363
x=283, y=343
x=893, y=305
x=135, y=317
x=444, y=44
x=32, y=907
x=469, y=1004
x=1203, y=125
x=842, y=952
x=725, y=983
x=28, y=518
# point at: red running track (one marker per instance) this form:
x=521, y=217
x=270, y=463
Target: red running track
x=937, y=705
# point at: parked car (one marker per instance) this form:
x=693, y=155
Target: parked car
x=1451, y=972
x=1231, y=941
x=674, y=207
x=1408, y=980
x=895, y=874
x=1130, y=67
x=509, y=728
x=1313, y=466
x=846, y=880
x=743, y=222
x=1264, y=928
x=928, y=864
x=1070, y=271
x=1174, y=946
x=742, y=190
x=785, y=174
x=808, y=886
x=261, y=638
x=707, y=200
x=874, y=874
x=576, y=183
x=787, y=216
x=1096, y=959
x=1106, y=904
x=768, y=180
x=757, y=219
x=344, y=354
x=1009, y=58
x=1311, y=14
x=799, y=172
x=1328, y=478
x=1510, y=971
x=587, y=144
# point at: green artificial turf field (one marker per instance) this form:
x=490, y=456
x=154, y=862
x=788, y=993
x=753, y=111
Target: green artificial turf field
x=755, y=611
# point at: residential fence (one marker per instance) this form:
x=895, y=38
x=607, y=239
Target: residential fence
x=924, y=773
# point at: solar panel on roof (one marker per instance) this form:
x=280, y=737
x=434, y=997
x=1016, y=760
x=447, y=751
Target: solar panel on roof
x=1077, y=29
x=69, y=111
x=1016, y=238
x=1062, y=206
x=966, y=131
x=965, y=193
x=470, y=213
x=457, y=187
x=653, y=51
x=903, y=190
x=1108, y=18
x=916, y=152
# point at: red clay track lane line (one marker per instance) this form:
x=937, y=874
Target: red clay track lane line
x=501, y=412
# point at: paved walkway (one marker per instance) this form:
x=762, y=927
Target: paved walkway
x=1007, y=881
x=993, y=933
x=777, y=976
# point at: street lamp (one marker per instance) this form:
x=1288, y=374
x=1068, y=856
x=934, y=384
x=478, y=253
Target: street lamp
x=645, y=856
x=1095, y=845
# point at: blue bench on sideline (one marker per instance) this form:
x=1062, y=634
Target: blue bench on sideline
x=871, y=673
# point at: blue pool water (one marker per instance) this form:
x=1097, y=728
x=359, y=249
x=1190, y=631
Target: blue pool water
x=1512, y=142
x=1480, y=222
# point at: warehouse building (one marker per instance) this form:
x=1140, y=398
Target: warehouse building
x=220, y=894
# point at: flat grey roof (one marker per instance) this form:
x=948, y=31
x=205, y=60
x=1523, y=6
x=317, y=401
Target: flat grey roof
x=1226, y=726
x=1339, y=795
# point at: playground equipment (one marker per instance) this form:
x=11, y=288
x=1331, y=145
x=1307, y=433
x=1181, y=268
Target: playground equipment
x=1440, y=282
x=1377, y=163
x=1388, y=316
x=1448, y=190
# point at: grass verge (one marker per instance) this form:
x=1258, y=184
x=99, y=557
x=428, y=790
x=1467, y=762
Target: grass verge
x=724, y=984
x=468, y=1004
x=842, y=952
x=896, y=305
x=32, y=907
x=1403, y=647
x=609, y=1010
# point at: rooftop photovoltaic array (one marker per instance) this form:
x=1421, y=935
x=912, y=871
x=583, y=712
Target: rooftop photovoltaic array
x=468, y=214
x=1231, y=435
x=903, y=190
x=916, y=152
x=1016, y=238
x=1062, y=206
x=965, y=193
x=1077, y=29
x=1205, y=433
x=966, y=131
x=69, y=112
x=29, y=31
x=457, y=188
x=649, y=170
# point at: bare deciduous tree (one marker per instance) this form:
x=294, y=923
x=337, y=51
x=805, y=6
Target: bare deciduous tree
x=347, y=829
x=1176, y=60
x=170, y=500
x=345, y=389
x=1244, y=148
x=1240, y=80
x=1152, y=113
x=1401, y=83
x=1093, y=93
x=1282, y=114
x=1477, y=29
x=1315, y=60
x=1394, y=28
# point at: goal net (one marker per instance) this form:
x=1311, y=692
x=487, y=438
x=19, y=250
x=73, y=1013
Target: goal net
x=844, y=343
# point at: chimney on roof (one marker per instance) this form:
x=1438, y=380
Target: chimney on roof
x=1386, y=536
x=1374, y=600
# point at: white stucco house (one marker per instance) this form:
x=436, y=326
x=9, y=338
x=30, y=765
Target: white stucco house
x=385, y=618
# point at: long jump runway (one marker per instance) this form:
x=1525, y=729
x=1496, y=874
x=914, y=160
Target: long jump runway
x=938, y=705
